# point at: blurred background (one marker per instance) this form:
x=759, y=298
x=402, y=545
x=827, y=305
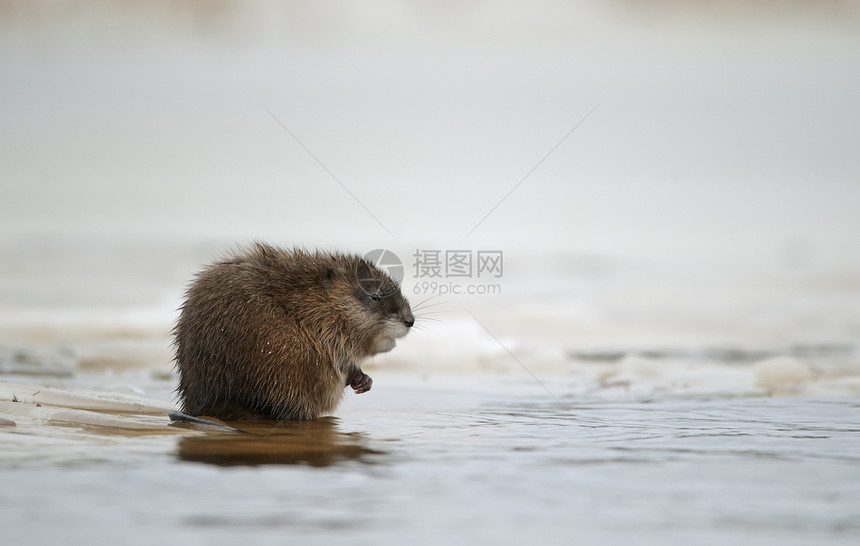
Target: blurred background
x=672, y=183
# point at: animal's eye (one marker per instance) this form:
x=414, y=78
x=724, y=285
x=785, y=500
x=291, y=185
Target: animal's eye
x=374, y=297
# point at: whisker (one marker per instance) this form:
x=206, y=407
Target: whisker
x=423, y=318
x=433, y=309
x=426, y=315
x=423, y=312
x=422, y=302
x=436, y=307
x=425, y=305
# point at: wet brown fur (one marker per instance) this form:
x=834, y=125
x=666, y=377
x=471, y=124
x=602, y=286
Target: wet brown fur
x=278, y=334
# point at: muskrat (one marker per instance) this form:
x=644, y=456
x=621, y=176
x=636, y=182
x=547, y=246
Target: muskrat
x=270, y=333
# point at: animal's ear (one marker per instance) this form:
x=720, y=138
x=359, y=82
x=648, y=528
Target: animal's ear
x=362, y=271
x=327, y=277
x=365, y=277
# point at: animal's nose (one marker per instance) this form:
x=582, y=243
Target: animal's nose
x=409, y=320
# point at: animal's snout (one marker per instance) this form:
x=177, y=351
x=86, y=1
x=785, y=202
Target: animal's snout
x=409, y=320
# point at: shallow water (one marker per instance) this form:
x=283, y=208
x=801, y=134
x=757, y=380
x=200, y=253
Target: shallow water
x=460, y=461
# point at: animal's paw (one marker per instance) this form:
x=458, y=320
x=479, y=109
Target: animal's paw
x=360, y=382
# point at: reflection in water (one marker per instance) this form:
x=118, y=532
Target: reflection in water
x=317, y=443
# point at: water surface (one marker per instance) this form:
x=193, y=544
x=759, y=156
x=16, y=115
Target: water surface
x=457, y=461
